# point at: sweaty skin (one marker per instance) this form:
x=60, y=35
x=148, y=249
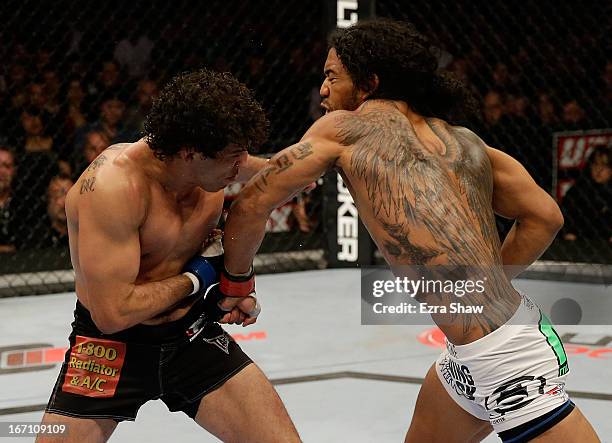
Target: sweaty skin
x=133, y=225
x=425, y=190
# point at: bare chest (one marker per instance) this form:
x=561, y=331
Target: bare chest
x=173, y=232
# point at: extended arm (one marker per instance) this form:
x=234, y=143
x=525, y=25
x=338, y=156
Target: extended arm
x=287, y=174
x=537, y=216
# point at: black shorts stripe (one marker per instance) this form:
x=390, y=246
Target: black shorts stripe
x=537, y=426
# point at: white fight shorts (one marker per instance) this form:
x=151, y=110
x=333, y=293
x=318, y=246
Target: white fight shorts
x=513, y=377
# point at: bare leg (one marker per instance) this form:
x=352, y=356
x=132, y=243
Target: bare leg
x=78, y=430
x=574, y=428
x=437, y=418
x=246, y=408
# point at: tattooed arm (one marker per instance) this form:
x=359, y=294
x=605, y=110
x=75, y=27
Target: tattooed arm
x=518, y=197
x=287, y=174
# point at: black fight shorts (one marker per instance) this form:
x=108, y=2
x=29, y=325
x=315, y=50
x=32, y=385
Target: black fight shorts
x=112, y=376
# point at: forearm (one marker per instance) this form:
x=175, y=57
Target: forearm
x=524, y=244
x=244, y=232
x=143, y=302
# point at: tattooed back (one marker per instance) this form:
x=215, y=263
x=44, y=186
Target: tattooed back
x=424, y=191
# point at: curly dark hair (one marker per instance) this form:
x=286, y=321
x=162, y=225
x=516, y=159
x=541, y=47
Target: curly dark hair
x=204, y=111
x=406, y=66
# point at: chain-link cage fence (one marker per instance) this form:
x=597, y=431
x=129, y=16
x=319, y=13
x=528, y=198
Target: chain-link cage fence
x=540, y=69
x=79, y=76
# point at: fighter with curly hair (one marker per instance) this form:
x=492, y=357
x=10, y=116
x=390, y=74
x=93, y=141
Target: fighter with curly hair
x=427, y=191
x=137, y=220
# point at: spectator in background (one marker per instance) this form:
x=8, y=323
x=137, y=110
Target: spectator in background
x=110, y=121
x=17, y=78
x=520, y=135
x=501, y=77
x=51, y=88
x=95, y=143
x=35, y=139
x=587, y=205
x=75, y=112
x=112, y=110
x=300, y=213
x=47, y=107
x=547, y=113
x=36, y=96
x=147, y=92
x=460, y=69
x=493, y=109
x=573, y=116
x=38, y=155
x=492, y=112
x=108, y=80
x=52, y=85
x=7, y=202
x=56, y=234
x=42, y=59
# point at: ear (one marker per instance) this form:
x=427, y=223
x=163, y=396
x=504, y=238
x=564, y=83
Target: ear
x=372, y=86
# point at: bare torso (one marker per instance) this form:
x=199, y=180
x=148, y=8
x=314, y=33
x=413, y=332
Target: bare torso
x=171, y=231
x=424, y=191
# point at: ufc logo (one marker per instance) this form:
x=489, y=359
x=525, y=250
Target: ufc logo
x=572, y=152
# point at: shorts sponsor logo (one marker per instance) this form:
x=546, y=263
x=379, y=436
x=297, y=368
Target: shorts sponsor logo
x=94, y=367
x=221, y=341
x=513, y=395
x=458, y=377
x=556, y=390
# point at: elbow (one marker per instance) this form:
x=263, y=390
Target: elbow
x=553, y=218
x=249, y=207
x=108, y=322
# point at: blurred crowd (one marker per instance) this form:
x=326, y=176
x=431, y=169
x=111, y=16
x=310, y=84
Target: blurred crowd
x=79, y=85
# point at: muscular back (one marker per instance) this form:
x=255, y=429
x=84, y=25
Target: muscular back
x=426, y=207
x=426, y=198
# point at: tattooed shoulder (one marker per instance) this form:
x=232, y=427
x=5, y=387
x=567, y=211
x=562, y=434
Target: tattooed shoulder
x=87, y=185
x=99, y=161
x=88, y=180
x=283, y=162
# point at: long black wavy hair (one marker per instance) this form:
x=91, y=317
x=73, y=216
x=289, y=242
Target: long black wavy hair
x=406, y=65
x=204, y=111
